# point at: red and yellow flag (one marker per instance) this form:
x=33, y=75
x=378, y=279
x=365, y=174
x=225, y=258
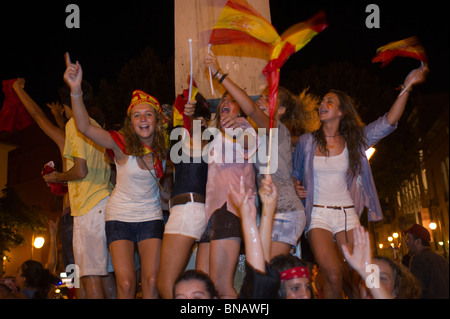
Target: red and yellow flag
x=179, y=119
x=241, y=24
x=410, y=48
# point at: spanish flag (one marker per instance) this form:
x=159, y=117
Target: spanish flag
x=179, y=119
x=410, y=48
x=241, y=24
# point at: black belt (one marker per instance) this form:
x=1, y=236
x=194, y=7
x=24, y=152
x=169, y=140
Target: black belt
x=334, y=207
x=339, y=208
x=184, y=198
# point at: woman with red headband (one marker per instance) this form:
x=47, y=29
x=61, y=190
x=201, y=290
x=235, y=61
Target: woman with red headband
x=133, y=214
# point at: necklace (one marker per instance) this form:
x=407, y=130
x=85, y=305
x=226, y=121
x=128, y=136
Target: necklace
x=333, y=135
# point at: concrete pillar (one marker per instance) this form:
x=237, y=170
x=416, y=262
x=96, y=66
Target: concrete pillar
x=195, y=19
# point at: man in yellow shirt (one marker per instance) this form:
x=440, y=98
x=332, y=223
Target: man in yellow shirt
x=88, y=177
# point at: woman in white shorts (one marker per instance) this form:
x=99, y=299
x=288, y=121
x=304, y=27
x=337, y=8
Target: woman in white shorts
x=337, y=179
x=187, y=220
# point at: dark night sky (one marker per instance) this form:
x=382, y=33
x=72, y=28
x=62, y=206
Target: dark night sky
x=34, y=37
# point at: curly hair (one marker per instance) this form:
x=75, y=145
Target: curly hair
x=134, y=145
x=301, y=111
x=351, y=128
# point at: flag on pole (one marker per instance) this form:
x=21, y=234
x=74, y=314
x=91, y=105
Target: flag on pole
x=239, y=23
x=292, y=40
x=179, y=119
x=410, y=48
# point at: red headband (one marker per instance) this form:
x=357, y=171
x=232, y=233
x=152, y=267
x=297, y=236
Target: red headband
x=296, y=272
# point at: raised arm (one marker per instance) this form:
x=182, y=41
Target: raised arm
x=415, y=77
x=245, y=102
x=268, y=194
x=52, y=131
x=73, y=76
x=245, y=200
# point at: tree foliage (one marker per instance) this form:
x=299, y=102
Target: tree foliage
x=15, y=215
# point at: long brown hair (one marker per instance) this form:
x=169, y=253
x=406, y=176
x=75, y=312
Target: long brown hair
x=134, y=145
x=350, y=128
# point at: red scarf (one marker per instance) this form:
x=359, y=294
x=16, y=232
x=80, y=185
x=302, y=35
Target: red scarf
x=119, y=138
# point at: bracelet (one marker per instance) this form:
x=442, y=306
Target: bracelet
x=76, y=95
x=218, y=75
x=215, y=74
x=402, y=87
x=223, y=77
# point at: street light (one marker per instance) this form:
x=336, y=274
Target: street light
x=370, y=152
x=395, y=235
x=38, y=242
x=432, y=225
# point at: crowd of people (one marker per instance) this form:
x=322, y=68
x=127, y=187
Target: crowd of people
x=115, y=230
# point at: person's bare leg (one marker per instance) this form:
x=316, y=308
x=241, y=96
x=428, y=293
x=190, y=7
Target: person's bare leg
x=327, y=257
x=224, y=255
x=149, y=253
x=93, y=287
x=175, y=253
x=109, y=286
x=278, y=248
x=122, y=256
x=202, y=260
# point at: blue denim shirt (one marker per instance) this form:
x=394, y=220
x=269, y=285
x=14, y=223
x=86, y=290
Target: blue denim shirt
x=362, y=188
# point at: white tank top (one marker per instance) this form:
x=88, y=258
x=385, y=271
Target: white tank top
x=330, y=180
x=135, y=197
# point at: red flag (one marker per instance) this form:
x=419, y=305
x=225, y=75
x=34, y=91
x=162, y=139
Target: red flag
x=13, y=115
x=410, y=48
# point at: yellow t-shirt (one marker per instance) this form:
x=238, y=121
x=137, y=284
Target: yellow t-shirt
x=84, y=194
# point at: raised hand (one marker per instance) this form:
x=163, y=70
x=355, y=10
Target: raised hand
x=244, y=200
x=361, y=255
x=189, y=108
x=268, y=193
x=416, y=76
x=73, y=75
x=19, y=84
x=211, y=62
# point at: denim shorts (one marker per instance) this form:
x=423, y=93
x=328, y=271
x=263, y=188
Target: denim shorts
x=135, y=232
x=288, y=227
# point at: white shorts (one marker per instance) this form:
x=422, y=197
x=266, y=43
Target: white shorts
x=188, y=219
x=334, y=220
x=89, y=241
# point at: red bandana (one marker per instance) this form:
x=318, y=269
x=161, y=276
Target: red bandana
x=296, y=272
